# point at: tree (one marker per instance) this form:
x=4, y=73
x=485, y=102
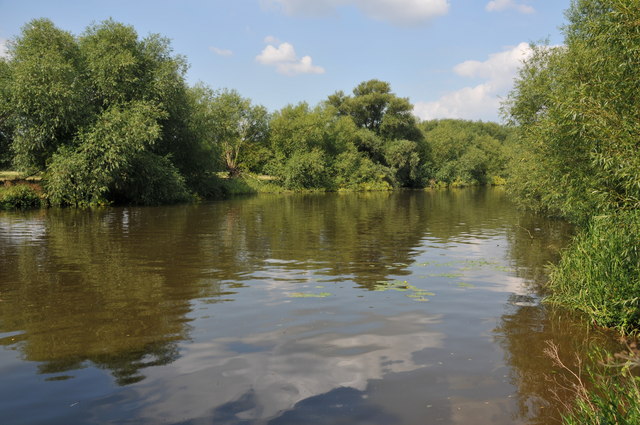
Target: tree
x=374, y=107
x=117, y=68
x=465, y=151
x=99, y=168
x=402, y=156
x=49, y=94
x=579, y=115
x=237, y=124
x=6, y=126
x=106, y=115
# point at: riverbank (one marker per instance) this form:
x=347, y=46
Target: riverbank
x=599, y=275
x=18, y=191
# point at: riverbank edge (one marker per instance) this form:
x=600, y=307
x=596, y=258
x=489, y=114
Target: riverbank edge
x=599, y=275
x=19, y=192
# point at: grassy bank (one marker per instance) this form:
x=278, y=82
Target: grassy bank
x=599, y=273
x=20, y=196
x=246, y=184
x=607, y=394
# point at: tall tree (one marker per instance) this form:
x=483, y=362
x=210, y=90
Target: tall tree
x=236, y=124
x=108, y=115
x=49, y=93
x=579, y=115
x=375, y=107
x=6, y=130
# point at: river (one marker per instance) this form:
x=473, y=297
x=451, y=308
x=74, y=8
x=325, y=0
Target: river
x=416, y=307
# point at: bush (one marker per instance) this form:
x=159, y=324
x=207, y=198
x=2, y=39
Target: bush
x=355, y=171
x=153, y=180
x=20, y=196
x=599, y=273
x=305, y=170
x=403, y=157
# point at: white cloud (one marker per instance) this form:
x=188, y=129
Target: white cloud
x=4, y=53
x=221, y=52
x=482, y=100
x=397, y=12
x=498, y=5
x=286, y=62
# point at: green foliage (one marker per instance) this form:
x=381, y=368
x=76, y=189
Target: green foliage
x=403, y=158
x=301, y=129
x=20, y=196
x=94, y=111
x=247, y=183
x=355, y=171
x=115, y=63
x=238, y=125
x=105, y=156
x=579, y=115
x=376, y=108
x=86, y=109
x=305, y=170
x=466, y=152
x=6, y=125
x=613, y=398
x=49, y=95
x=152, y=180
x=600, y=272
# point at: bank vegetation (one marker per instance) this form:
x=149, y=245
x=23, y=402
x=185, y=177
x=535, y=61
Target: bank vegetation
x=576, y=112
x=106, y=117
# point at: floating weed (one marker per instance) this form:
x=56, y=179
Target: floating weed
x=309, y=295
x=468, y=264
x=478, y=263
x=319, y=287
x=464, y=285
x=419, y=298
x=403, y=286
x=392, y=285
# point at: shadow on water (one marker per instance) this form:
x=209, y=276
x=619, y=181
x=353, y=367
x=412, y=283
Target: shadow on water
x=208, y=294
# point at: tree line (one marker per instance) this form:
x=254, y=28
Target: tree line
x=107, y=117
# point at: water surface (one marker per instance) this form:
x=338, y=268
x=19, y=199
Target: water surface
x=379, y=308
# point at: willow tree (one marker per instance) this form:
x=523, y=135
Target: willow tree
x=578, y=113
x=50, y=97
x=104, y=114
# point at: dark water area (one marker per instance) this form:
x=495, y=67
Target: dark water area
x=376, y=308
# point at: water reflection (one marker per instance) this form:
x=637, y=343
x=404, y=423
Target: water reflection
x=268, y=373
x=214, y=296
x=82, y=290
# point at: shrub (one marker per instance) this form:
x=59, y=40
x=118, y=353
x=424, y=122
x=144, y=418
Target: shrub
x=153, y=180
x=354, y=170
x=305, y=170
x=21, y=196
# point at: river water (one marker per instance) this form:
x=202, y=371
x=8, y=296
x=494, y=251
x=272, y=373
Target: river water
x=376, y=308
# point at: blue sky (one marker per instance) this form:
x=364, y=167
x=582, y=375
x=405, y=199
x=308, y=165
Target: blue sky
x=451, y=58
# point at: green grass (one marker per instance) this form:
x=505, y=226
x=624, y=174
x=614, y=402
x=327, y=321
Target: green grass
x=606, y=395
x=599, y=273
x=245, y=184
x=16, y=175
